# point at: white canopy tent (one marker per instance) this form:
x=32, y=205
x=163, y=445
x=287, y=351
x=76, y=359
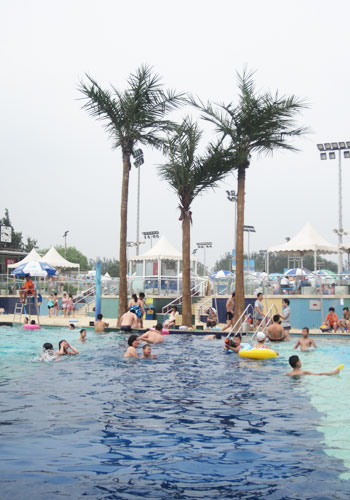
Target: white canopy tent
x=33, y=256
x=307, y=241
x=162, y=259
x=56, y=260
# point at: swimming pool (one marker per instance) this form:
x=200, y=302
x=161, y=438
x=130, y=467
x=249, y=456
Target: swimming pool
x=195, y=423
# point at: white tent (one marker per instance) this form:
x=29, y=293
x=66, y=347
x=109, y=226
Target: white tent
x=33, y=256
x=163, y=249
x=307, y=241
x=56, y=260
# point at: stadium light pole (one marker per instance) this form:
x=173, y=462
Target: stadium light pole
x=150, y=235
x=204, y=245
x=139, y=160
x=328, y=152
x=248, y=229
x=65, y=243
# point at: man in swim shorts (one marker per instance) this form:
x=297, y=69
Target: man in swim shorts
x=275, y=331
x=128, y=321
x=305, y=342
x=153, y=336
x=230, y=312
x=295, y=363
x=133, y=343
x=100, y=325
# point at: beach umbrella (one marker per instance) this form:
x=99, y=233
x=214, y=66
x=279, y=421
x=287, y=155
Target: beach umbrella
x=298, y=271
x=326, y=272
x=39, y=269
x=221, y=275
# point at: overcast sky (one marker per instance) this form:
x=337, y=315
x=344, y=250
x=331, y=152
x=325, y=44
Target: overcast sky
x=58, y=169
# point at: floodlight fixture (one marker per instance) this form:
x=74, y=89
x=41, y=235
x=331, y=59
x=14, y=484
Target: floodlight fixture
x=342, y=145
x=323, y=156
x=150, y=234
x=331, y=155
x=320, y=147
x=137, y=153
x=249, y=229
x=205, y=244
x=348, y=144
x=346, y=154
x=335, y=145
x=328, y=146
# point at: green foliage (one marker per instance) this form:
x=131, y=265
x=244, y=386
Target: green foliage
x=110, y=266
x=30, y=244
x=189, y=174
x=224, y=262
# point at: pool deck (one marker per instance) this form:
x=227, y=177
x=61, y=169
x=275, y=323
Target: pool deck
x=84, y=322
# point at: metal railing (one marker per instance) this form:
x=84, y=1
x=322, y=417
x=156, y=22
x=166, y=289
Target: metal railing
x=198, y=290
x=266, y=321
x=243, y=320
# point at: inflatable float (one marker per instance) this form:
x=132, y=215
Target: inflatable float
x=31, y=327
x=257, y=353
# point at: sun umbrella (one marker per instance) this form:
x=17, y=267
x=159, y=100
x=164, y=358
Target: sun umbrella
x=221, y=275
x=34, y=269
x=297, y=272
x=325, y=272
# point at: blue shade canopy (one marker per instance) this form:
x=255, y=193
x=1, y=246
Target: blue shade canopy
x=34, y=269
x=297, y=272
x=221, y=274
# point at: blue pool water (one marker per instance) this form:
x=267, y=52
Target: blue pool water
x=195, y=423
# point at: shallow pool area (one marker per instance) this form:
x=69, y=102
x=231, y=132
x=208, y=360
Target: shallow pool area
x=194, y=423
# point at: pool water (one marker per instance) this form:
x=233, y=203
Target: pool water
x=194, y=423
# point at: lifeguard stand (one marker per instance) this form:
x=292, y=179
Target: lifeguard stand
x=29, y=307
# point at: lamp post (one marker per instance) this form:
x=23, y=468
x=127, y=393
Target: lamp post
x=150, y=235
x=249, y=229
x=204, y=245
x=232, y=196
x=65, y=243
x=331, y=148
x=138, y=155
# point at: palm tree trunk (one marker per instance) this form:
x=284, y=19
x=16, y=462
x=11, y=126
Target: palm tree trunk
x=240, y=244
x=123, y=288
x=186, y=269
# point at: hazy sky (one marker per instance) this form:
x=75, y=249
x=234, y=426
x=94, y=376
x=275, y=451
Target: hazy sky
x=58, y=170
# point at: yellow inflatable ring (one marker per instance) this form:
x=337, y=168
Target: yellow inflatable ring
x=254, y=353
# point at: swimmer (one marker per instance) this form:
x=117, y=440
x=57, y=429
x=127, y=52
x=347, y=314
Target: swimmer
x=236, y=347
x=48, y=353
x=133, y=342
x=147, y=352
x=33, y=322
x=275, y=331
x=153, y=336
x=305, y=342
x=71, y=326
x=295, y=363
x=261, y=337
x=82, y=337
x=66, y=349
x=214, y=336
x=100, y=325
x=128, y=321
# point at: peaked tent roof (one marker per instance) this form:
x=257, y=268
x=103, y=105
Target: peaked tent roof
x=308, y=240
x=53, y=258
x=33, y=256
x=163, y=249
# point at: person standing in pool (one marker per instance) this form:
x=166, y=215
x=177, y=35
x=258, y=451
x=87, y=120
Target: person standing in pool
x=128, y=321
x=275, y=331
x=147, y=352
x=100, y=325
x=286, y=318
x=82, y=337
x=133, y=343
x=66, y=349
x=295, y=363
x=230, y=312
x=305, y=342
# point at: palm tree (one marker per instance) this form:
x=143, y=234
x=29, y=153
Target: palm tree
x=259, y=123
x=133, y=116
x=189, y=175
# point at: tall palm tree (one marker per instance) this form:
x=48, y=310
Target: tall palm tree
x=189, y=175
x=258, y=123
x=133, y=116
